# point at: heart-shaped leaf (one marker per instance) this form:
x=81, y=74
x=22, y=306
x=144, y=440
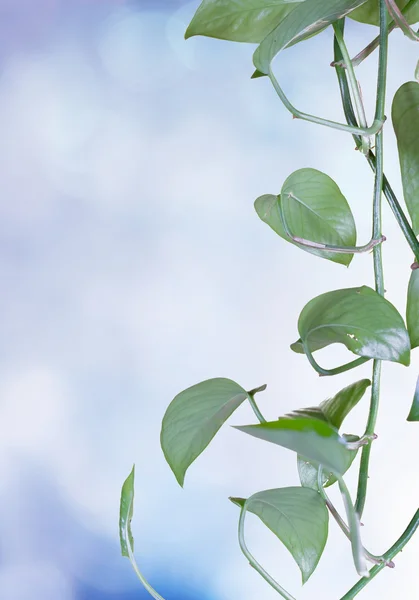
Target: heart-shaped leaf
x=126, y=511
x=307, y=18
x=412, y=308
x=315, y=210
x=298, y=517
x=405, y=116
x=368, y=12
x=239, y=20
x=414, y=411
x=193, y=418
x=312, y=438
x=365, y=322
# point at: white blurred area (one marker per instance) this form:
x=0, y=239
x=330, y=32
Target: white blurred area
x=133, y=265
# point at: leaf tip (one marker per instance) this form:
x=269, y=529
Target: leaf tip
x=237, y=501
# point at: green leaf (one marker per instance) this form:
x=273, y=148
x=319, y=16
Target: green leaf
x=126, y=511
x=405, y=115
x=239, y=20
x=304, y=21
x=368, y=12
x=299, y=519
x=193, y=418
x=312, y=438
x=412, y=308
x=365, y=322
x=314, y=209
x=414, y=411
x=336, y=409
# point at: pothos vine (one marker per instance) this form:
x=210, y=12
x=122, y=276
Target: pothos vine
x=311, y=213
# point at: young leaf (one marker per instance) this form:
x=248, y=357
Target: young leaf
x=193, y=418
x=412, y=308
x=305, y=20
x=315, y=210
x=312, y=438
x=368, y=12
x=414, y=411
x=336, y=409
x=358, y=550
x=125, y=514
x=405, y=115
x=125, y=535
x=365, y=322
x=298, y=517
x=239, y=20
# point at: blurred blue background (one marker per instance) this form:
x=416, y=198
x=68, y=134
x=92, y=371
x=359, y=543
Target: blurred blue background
x=133, y=265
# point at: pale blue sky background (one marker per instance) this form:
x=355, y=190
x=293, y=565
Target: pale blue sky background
x=133, y=265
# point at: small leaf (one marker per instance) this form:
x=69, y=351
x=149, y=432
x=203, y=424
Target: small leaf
x=315, y=210
x=307, y=18
x=193, y=418
x=365, y=322
x=412, y=308
x=125, y=514
x=414, y=411
x=405, y=115
x=336, y=409
x=239, y=20
x=298, y=517
x=368, y=12
x=312, y=438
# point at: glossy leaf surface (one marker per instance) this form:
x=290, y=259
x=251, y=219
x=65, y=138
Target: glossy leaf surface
x=368, y=12
x=304, y=21
x=126, y=511
x=414, y=411
x=405, y=115
x=314, y=209
x=298, y=517
x=412, y=308
x=194, y=417
x=239, y=20
x=365, y=322
x=311, y=438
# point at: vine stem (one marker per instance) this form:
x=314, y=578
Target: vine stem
x=389, y=555
x=377, y=560
x=254, y=563
x=298, y=114
x=377, y=252
x=361, y=56
x=362, y=120
x=389, y=194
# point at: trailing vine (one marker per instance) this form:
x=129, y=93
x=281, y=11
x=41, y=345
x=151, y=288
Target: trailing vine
x=312, y=213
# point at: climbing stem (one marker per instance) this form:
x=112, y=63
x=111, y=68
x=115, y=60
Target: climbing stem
x=388, y=556
x=353, y=82
x=376, y=560
x=389, y=194
x=377, y=253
